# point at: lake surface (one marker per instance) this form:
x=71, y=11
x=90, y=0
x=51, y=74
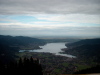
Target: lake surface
x=54, y=48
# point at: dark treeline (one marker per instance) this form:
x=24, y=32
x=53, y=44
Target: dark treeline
x=24, y=66
x=7, y=53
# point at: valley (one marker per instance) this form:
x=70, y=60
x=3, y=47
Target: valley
x=55, y=57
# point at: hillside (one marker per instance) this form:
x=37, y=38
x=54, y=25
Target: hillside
x=9, y=45
x=89, y=48
x=83, y=42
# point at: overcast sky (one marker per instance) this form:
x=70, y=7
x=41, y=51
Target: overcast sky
x=50, y=17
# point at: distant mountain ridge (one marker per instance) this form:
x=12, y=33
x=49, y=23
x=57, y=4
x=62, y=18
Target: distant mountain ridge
x=18, y=40
x=83, y=42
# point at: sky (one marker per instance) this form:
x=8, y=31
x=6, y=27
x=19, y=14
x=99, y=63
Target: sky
x=50, y=18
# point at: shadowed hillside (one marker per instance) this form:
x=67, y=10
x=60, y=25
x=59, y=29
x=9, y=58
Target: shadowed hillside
x=89, y=48
x=10, y=45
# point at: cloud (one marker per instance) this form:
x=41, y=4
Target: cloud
x=50, y=6
x=49, y=30
x=50, y=17
x=42, y=26
x=77, y=18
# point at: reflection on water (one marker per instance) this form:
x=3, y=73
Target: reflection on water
x=54, y=48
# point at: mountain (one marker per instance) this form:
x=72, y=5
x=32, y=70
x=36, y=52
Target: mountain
x=9, y=45
x=88, y=49
x=19, y=40
x=83, y=42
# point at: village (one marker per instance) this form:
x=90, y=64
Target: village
x=55, y=64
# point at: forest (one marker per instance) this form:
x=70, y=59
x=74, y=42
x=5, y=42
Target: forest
x=24, y=66
x=83, y=49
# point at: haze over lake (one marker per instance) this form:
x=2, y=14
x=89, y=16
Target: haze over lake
x=51, y=48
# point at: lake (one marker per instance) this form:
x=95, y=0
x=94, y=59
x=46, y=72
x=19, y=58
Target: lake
x=54, y=48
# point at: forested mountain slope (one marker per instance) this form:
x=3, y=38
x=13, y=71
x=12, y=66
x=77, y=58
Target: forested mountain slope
x=9, y=45
x=85, y=49
x=83, y=42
